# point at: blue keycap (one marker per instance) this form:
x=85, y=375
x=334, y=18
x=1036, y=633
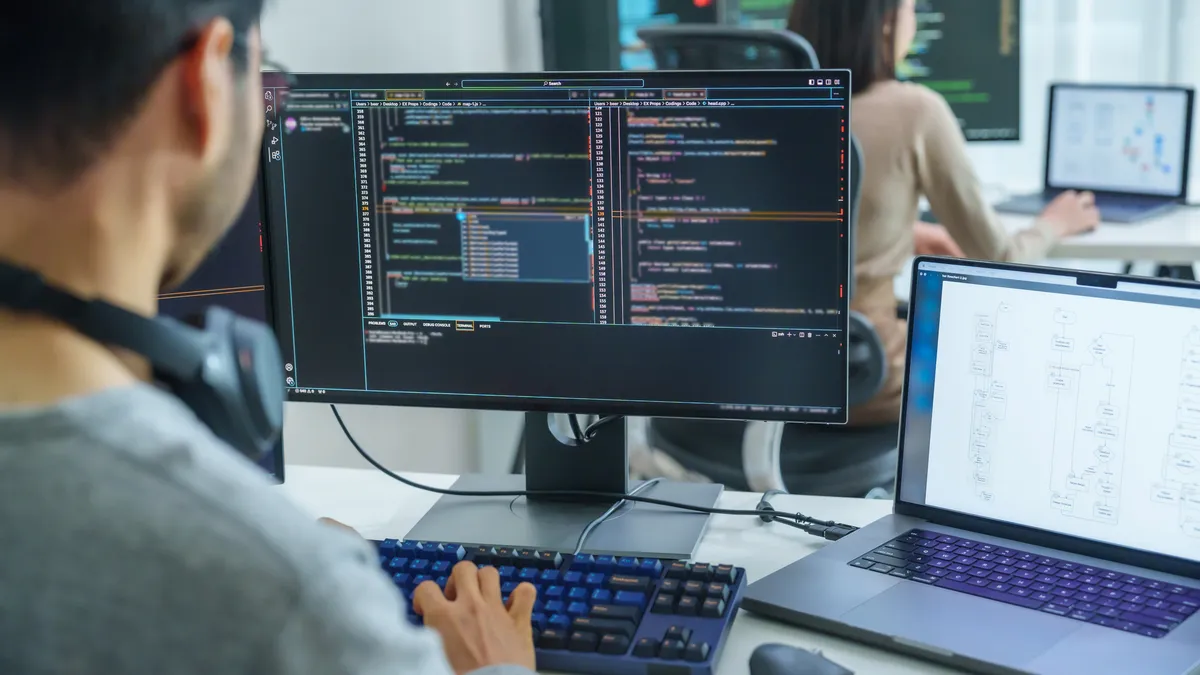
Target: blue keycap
x=554, y=593
x=628, y=564
x=651, y=568
x=427, y=551
x=539, y=620
x=604, y=563
x=594, y=579
x=398, y=564
x=601, y=596
x=419, y=566
x=577, y=609
x=508, y=587
x=401, y=579
x=408, y=547
x=440, y=567
x=583, y=563
x=548, y=576
x=559, y=621
x=577, y=593
x=420, y=579
x=451, y=552
x=507, y=572
x=572, y=578
x=389, y=547
x=555, y=607
x=383, y=561
x=629, y=598
x=442, y=581
x=528, y=574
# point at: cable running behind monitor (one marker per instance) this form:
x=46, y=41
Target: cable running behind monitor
x=663, y=244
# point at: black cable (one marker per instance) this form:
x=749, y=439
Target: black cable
x=825, y=529
x=594, y=428
x=612, y=510
x=560, y=493
x=576, y=430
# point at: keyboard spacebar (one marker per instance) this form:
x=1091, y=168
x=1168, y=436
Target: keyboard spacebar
x=984, y=592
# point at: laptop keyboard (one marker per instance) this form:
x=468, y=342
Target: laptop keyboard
x=1080, y=592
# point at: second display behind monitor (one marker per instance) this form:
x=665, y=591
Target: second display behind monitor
x=969, y=51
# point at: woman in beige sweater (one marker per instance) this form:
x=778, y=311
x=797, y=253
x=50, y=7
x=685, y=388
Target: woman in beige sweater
x=913, y=147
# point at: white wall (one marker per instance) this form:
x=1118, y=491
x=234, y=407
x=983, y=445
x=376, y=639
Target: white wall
x=385, y=36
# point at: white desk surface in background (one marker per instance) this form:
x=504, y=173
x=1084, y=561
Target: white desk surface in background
x=379, y=507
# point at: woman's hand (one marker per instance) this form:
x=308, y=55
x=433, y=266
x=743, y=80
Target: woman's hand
x=930, y=239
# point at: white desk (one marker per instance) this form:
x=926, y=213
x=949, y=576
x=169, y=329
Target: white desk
x=380, y=507
x=1170, y=240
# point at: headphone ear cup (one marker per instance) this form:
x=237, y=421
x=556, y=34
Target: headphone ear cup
x=238, y=392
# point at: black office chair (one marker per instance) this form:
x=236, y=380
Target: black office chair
x=803, y=459
x=714, y=47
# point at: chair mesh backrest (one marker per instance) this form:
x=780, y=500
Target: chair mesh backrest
x=707, y=47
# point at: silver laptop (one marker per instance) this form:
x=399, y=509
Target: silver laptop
x=1128, y=144
x=1047, y=515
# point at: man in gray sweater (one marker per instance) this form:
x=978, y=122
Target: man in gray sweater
x=132, y=540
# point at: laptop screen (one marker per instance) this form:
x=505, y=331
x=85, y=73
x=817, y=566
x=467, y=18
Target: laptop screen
x=1036, y=400
x=1118, y=139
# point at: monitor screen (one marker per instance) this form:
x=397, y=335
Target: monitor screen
x=668, y=244
x=760, y=14
x=232, y=277
x=1119, y=139
x=970, y=53
x=1070, y=408
x=633, y=15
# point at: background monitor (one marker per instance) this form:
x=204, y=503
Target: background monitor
x=233, y=277
x=970, y=53
x=603, y=34
x=666, y=244
x=761, y=14
x=1132, y=139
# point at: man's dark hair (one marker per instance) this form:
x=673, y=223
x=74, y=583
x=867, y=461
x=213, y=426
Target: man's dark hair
x=850, y=34
x=74, y=72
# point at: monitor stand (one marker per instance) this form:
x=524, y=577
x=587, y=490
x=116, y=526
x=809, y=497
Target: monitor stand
x=555, y=461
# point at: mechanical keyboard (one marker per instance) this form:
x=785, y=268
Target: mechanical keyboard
x=1080, y=592
x=596, y=614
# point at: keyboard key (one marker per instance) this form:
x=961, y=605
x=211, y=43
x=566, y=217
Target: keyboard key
x=529, y=574
x=696, y=652
x=552, y=638
x=614, y=645
x=713, y=608
x=553, y=606
x=483, y=555
x=671, y=650
x=688, y=605
x=553, y=592
x=650, y=568
x=726, y=574
x=577, y=594
x=881, y=568
x=1029, y=602
x=585, y=624
x=398, y=564
x=605, y=563
x=646, y=648
x=630, y=599
x=583, y=642
x=594, y=579
x=717, y=590
x=627, y=583
x=601, y=596
x=576, y=609
x=701, y=571
x=451, y=553
x=681, y=633
x=582, y=563
x=669, y=586
x=572, y=578
x=693, y=587
x=677, y=570
x=663, y=604
x=1057, y=610
x=560, y=621
x=548, y=577
x=549, y=559
x=615, y=612
x=1148, y=621
x=539, y=621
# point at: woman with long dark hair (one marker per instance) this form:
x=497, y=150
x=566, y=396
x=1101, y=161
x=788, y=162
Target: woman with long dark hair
x=913, y=147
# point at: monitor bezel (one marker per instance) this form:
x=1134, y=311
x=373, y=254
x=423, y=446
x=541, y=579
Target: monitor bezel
x=1190, y=94
x=278, y=259
x=1115, y=553
x=278, y=470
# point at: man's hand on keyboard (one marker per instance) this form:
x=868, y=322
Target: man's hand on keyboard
x=477, y=629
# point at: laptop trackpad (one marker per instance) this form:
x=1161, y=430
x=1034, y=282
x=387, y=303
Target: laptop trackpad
x=973, y=627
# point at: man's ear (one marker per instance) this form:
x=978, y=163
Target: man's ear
x=208, y=89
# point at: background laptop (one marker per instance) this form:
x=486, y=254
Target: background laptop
x=1047, y=516
x=1128, y=144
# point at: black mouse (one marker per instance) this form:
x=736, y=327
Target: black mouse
x=772, y=659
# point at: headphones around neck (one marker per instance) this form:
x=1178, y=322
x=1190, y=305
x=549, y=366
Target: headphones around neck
x=226, y=368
